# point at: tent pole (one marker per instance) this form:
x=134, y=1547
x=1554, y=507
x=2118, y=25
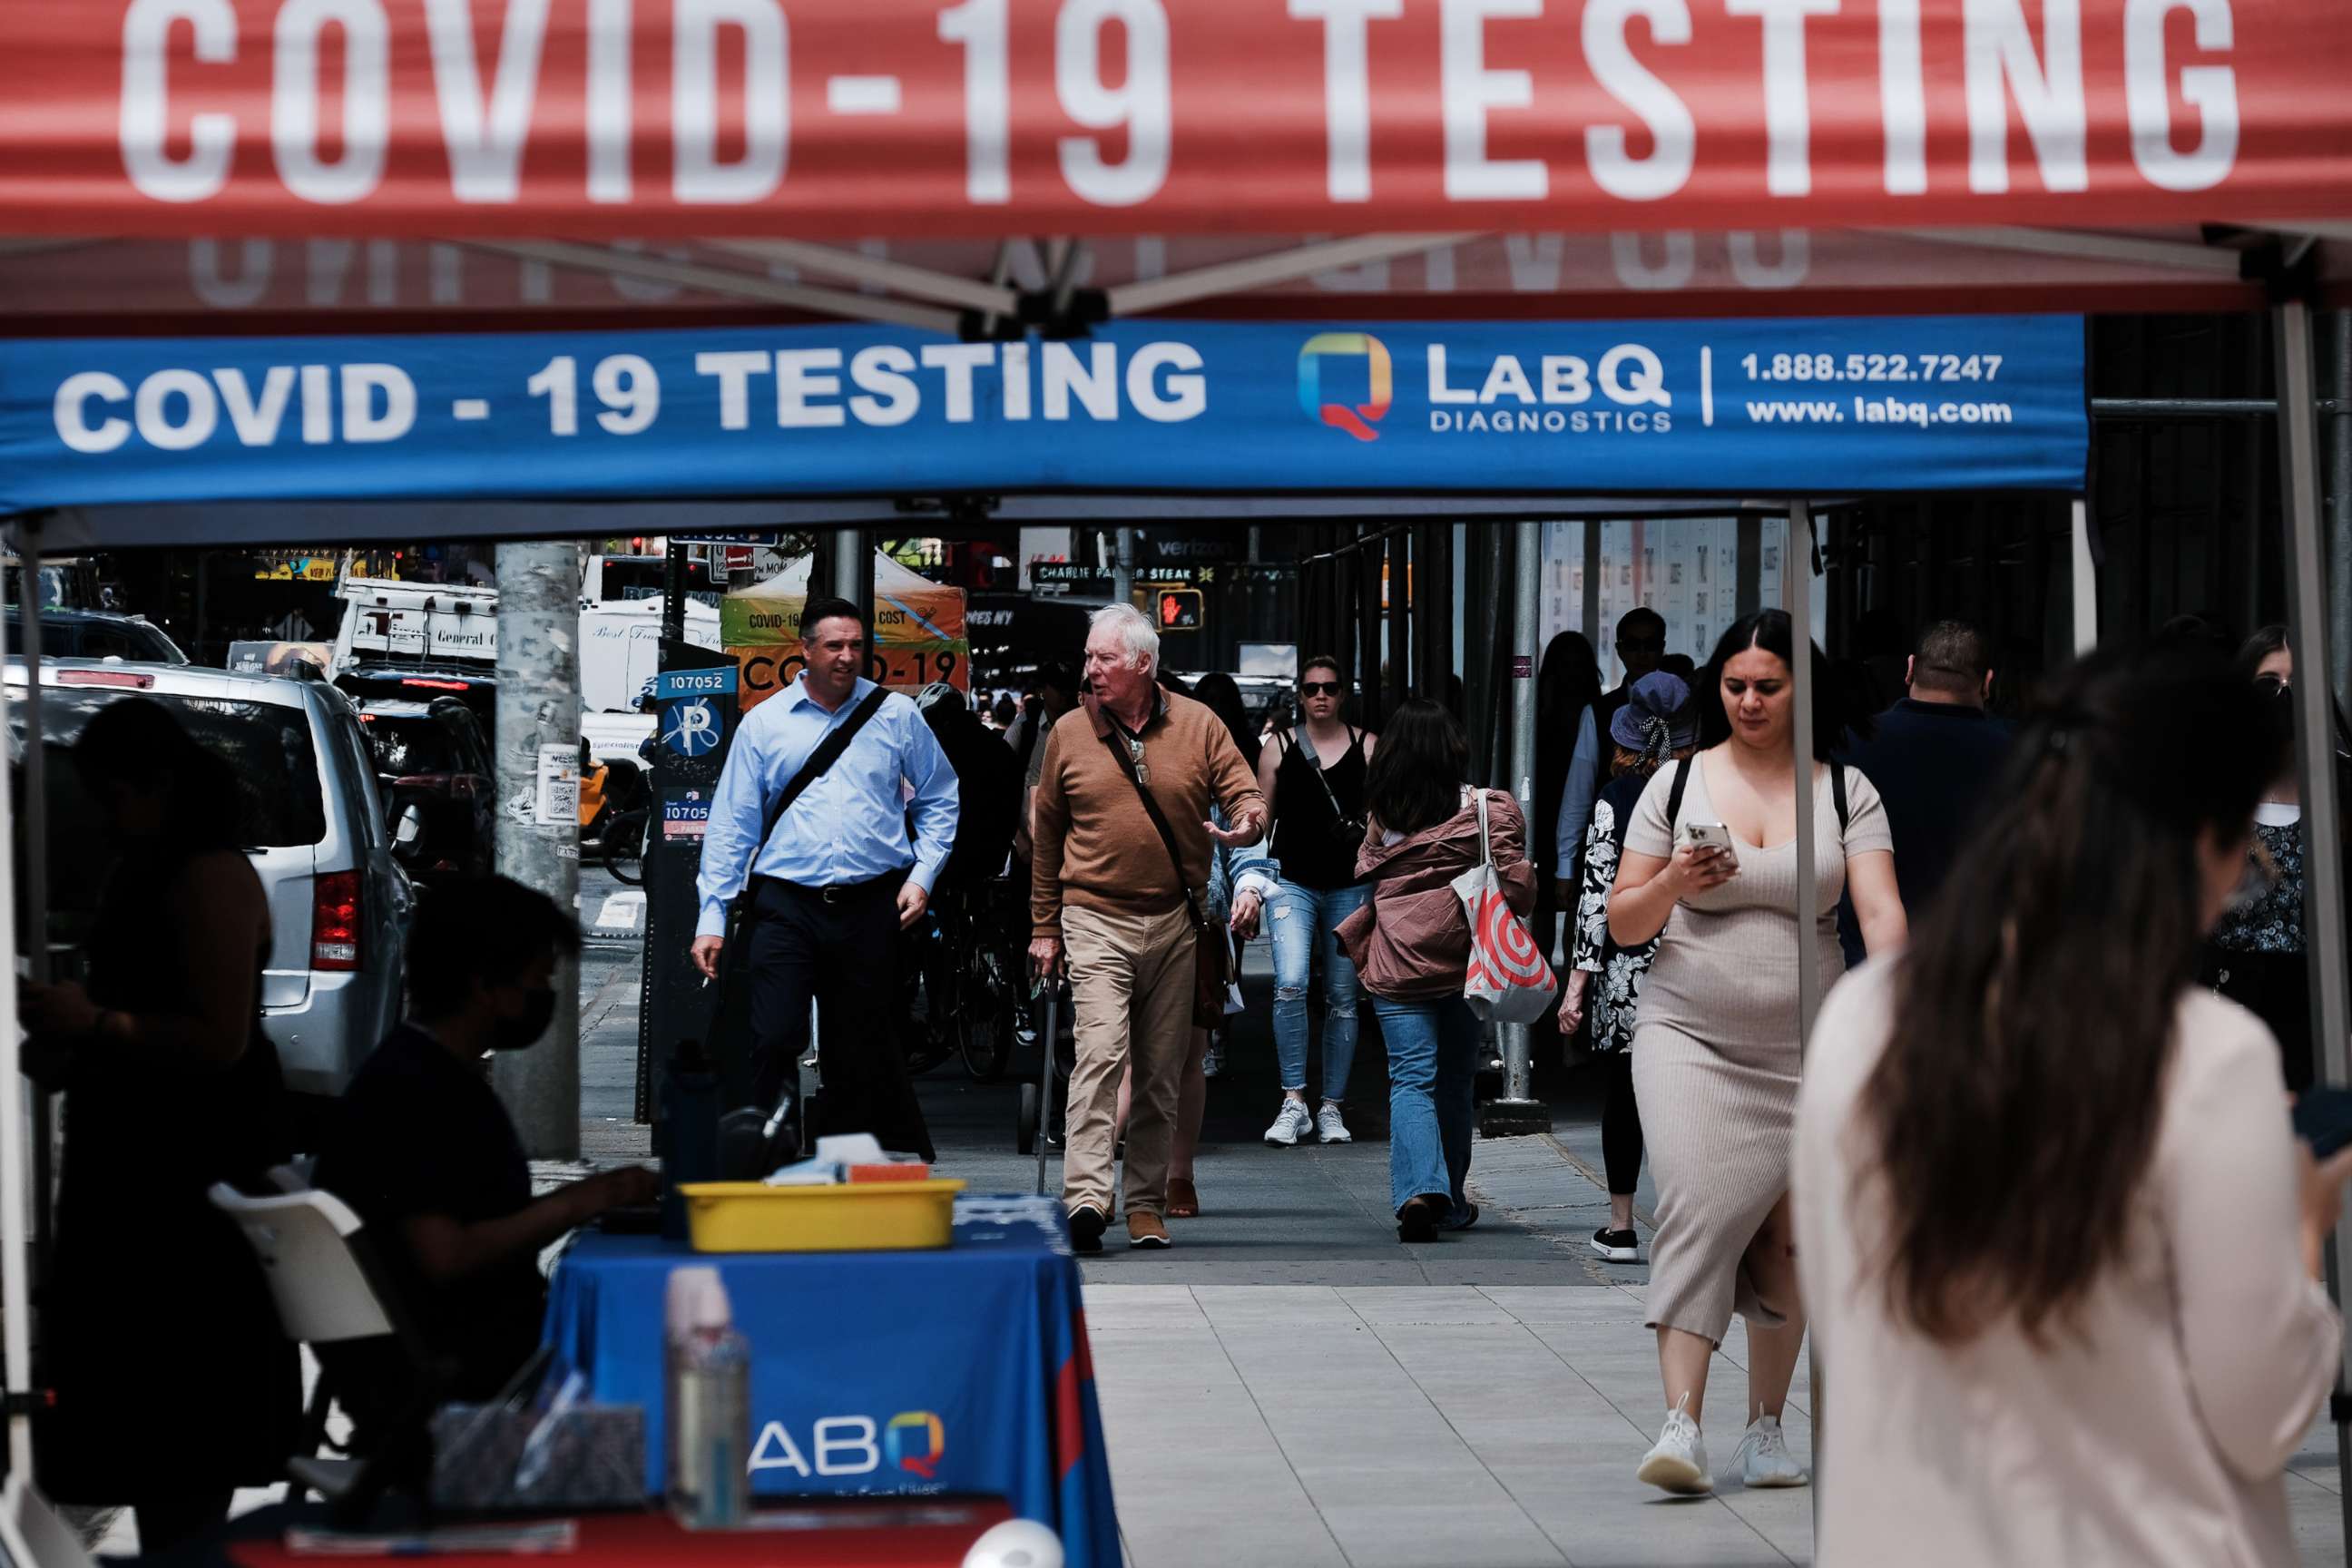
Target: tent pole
x=2084, y=580
x=15, y=1291
x=1797, y=597
x=1148, y=294
x=2339, y=507
x=2315, y=731
x=724, y=281
x=37, y=872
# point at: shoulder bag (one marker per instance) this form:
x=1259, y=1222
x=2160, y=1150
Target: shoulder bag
x=1507, y=980
x=1345, y=833
x=1211, y=957
x=820, y=762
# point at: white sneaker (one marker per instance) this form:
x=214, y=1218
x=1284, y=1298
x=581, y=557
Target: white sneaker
x=1291, y=1125
x=1764, y=1458
x=1677, y=1463
x=1214, y=1062
x=1329, y=1128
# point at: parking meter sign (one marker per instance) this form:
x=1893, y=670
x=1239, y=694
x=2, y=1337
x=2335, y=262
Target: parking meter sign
x=691, y=727
x=684, y=815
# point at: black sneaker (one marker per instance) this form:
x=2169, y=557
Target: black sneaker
x=1087, y=1226
x=1617, y=1246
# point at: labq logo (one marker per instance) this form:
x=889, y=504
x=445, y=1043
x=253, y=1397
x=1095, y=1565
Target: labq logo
x=913, y=1429
x=1356, y=419
x=913, y=1440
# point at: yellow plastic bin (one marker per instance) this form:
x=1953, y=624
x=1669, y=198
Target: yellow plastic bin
x=870, y=1216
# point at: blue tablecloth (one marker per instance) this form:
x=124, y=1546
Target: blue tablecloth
x=880, y=1372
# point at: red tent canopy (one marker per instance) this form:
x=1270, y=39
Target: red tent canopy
x=849, y=118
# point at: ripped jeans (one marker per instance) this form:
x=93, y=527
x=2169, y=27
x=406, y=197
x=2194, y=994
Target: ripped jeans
x=1301, y=921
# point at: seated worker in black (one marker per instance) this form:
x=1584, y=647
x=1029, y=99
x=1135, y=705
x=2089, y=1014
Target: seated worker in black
x=430, y=1159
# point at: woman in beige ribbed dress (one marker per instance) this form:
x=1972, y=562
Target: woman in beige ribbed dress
x=1715, y=1045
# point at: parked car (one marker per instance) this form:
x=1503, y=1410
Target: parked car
x=475, y=686
x=96, y=634
x=431, y=759
x=313, y=825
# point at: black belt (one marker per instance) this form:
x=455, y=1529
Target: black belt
x=832, y=892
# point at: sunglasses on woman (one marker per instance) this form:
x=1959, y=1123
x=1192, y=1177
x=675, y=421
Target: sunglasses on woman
x=1319, y=687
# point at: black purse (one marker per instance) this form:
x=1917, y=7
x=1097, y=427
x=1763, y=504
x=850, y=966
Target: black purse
x=1345, y=833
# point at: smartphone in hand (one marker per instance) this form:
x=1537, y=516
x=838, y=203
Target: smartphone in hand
x=1712, y=836
x=2323, y=1118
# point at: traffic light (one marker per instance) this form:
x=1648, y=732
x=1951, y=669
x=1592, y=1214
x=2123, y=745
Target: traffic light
x=1179, y=609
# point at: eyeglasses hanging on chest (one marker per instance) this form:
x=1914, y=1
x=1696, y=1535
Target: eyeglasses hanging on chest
x=1135, y=754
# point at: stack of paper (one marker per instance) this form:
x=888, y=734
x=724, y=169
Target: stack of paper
x=828, y=1166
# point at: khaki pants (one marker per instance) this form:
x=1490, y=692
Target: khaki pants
x=1131, y=975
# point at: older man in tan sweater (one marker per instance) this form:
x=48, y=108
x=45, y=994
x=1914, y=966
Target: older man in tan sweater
x=1102, y=882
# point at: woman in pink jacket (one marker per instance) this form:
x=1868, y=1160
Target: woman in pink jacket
x=1410, y=945
x=2060, y=1243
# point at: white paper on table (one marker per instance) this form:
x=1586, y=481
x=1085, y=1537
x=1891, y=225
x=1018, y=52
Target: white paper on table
x=829, y=1165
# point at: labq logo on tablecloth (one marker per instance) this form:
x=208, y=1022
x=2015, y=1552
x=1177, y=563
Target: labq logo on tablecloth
x=1356, y=419
x=913, y=1440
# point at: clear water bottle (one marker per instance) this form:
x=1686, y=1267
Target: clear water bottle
x=709, y=1416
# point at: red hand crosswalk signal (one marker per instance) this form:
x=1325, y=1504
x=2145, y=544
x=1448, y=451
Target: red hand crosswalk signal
x=1179, y=610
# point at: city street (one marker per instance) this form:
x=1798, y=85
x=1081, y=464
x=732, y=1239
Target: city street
x=1480, y=1402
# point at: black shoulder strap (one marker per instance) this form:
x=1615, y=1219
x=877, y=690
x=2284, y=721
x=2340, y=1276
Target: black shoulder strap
x=1675, y=795
x=820, y=761
x=1126, y=765
x=1315, y=767
x=1681, y=779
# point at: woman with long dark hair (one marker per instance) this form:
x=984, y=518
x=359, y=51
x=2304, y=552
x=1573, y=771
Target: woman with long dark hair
x=170, y=1086
x=1570, y=769
x=2255, y=957
x=2060, y=1240
x=1222, y=694
x=1411, y=947
x=1710, y=870
x=1653, y=727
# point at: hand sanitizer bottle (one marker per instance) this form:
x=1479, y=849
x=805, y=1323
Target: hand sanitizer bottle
x=709, y=1416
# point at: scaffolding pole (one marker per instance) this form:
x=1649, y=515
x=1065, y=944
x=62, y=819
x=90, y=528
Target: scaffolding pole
x=1797, y=596
x=2314, y=757
x=1519, y=1114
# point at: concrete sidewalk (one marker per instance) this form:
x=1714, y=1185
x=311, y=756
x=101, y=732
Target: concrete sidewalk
x=1289, y=1385
x=1386, y=1427
x=1468, y=1425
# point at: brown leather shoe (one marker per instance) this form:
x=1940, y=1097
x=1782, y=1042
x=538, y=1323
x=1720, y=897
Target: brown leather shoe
x=1145, y=1230
x=1184, y=1198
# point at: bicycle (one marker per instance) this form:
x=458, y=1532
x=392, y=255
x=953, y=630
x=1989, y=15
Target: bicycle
x=626, y=843
x=974, y=978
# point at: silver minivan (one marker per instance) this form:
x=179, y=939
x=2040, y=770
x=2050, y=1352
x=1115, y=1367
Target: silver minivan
x=314, y=829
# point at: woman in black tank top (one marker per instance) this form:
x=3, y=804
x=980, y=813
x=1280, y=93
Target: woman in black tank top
x=1314, y=780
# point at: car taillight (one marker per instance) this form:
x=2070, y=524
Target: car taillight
x=103, y=677
x=335, y=921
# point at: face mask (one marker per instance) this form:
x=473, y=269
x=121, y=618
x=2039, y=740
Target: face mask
x=523, y=1031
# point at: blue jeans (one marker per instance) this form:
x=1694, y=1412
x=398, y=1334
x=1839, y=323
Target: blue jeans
x=1302, y=921
x=1433, y=1093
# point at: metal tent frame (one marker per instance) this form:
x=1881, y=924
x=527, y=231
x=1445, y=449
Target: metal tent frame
x=930, y=300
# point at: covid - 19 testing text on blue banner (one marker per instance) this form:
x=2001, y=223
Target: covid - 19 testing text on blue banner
x=1744, y=408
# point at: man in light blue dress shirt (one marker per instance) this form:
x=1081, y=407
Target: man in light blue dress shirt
x=832, y=887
